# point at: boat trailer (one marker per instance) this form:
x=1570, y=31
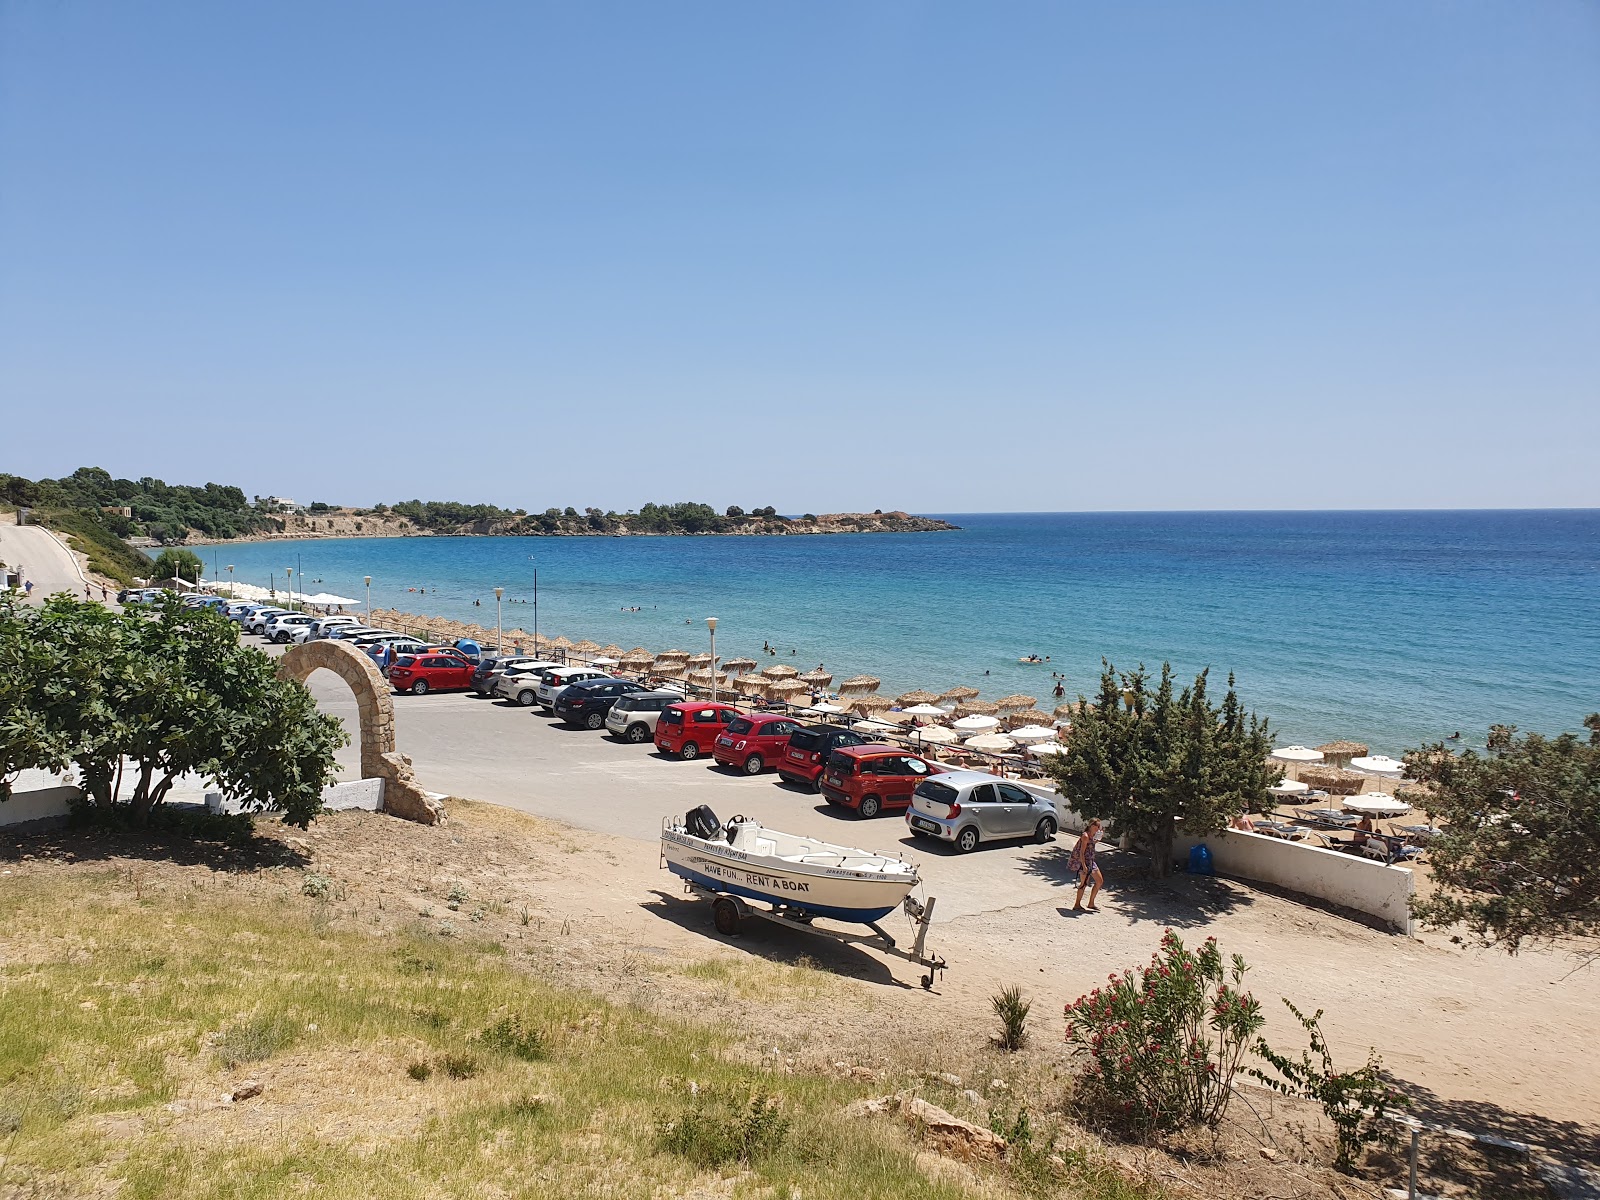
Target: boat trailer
x=728, y=911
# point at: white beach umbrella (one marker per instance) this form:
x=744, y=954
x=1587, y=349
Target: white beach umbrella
x=828, y=708
x=1379, y=764
x=925, y=710
x=1376, y=804
x=1032, y=733
x=1046, y=749
x=937, y=735
x=977, y=723
x=992, y=743
x=1289, y=787
x=603, y=661
x=1296, y=754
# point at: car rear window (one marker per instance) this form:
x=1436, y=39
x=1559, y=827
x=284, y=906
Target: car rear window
x=841, y=764
x=741, y=725
x=405, y=660
x=673, y=716
x=939, y=793
x=808, y=739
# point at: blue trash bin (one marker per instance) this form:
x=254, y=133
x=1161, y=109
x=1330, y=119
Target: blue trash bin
x=1200, y=860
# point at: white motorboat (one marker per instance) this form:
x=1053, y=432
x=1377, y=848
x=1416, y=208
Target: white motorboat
x=746, y=859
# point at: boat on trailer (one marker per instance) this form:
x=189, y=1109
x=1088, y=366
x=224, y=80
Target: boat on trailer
x=797, y=879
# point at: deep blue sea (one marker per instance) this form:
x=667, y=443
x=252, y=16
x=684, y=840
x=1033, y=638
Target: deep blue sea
x=1393, y=628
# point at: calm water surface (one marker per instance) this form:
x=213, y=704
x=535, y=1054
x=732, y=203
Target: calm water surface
x=1393, y=628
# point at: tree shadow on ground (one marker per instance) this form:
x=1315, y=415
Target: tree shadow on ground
x=1570, y=1142
x=232, y=847
x=1177, y=902
x=775, y=943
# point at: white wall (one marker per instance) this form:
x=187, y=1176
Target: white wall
x=355, y=793
x=1362, y=884
x=39, y=804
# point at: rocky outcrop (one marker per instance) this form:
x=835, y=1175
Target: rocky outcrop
x=942, y=1131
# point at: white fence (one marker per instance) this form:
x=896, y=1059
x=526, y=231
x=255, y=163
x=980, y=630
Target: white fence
x=1361, y=884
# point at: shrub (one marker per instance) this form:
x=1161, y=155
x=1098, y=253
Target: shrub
x=1013, y=1011
x=459, y=1066
x=316, y=886
x=720, y=1126
x=257, y=1039
x=1153, y=1064
x=509, y=1035
x=1357, y=1102
x=420, y=1071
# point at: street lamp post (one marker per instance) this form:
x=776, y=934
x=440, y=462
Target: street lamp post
x=711, y=624
x=288, y=573
x=499, y=623
x=535, y=607
x=231, y=596
x=369, y=599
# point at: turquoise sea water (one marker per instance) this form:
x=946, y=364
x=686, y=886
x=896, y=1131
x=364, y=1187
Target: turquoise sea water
x=1392, y=628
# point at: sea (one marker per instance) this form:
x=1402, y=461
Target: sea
x=1391, y=628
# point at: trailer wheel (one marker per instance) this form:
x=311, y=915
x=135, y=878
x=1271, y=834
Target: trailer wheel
x=725, y=913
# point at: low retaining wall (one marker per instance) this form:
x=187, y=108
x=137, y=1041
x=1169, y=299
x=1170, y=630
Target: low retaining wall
x=1361, y=884
x=337, y=797
x=37, y=808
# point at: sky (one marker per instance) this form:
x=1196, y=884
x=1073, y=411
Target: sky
x=825, y=256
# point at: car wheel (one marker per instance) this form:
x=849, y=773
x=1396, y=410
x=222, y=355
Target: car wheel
x=637, y=734
x=419, y=688
x=526, y=699
x=871, y=806
x=1045, y=830
x=967, y=840
x=595, y=721
x=753, y=765
x=689, y=752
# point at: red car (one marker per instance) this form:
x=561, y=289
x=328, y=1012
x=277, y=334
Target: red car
x=420, y=673
x=872, y=778
x=691, y=727
x=752, y=742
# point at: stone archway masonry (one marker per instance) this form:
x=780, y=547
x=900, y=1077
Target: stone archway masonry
x=379, y=759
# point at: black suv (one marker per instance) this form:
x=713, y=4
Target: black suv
x=808, y=752
x=586, y=704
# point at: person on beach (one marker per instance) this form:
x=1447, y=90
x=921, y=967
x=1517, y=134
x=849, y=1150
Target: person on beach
x=1242, y=821
x=1363, y=828
x=1087, y=868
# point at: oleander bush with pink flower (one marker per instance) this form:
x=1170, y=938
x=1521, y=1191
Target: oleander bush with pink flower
x=1161, y=1046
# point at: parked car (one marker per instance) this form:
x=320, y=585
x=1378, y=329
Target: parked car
x=237, y=609
x=423, y=673
x=754, y=742
x=247, y=611
x=587, y=704
x=968, y=807
x=808, y=750
x=324, y=626
x=362, y=640
x=691, y=728
x=257, y=621
x=283, y=628
x=872, y=778
x=489, y=669
x=633, y=718
x=393, y=647
x=552, y=681
x=341, y=633
x=521, y=682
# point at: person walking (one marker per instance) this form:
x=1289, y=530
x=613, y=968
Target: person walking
x=1083, y=863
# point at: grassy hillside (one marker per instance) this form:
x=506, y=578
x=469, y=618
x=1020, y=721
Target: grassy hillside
x=87, y=531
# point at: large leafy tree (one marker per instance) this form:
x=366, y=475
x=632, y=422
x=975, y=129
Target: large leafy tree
x=1145, y=758
x=179, y=564
x=1520, y=855
x=134, y=703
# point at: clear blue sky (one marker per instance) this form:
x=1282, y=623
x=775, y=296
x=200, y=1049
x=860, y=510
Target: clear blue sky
x=825, y=255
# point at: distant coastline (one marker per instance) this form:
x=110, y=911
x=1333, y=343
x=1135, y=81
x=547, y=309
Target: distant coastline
x=347, y=523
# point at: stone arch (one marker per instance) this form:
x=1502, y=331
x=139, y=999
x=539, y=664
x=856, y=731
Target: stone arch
x=375, y=707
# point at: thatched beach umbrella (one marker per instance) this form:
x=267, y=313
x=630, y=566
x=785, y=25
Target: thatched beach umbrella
x=915, y=697
x=1027, y=716
x=586, y=647
x=781, y=671
x=870, y=704
x=636, y=664
x=738, y=666
x=749, y=685
x=673, y=656
x=787, y=689
x=1340, y=753
x=1334, y=779
x=639, y=651
x=817, y=678
x=1011, y=703
x=977, y=708
x=699, y=660
x=1067, y=712
x=960, y=692
x=613, y=651
x=561, y=643
x=669, y=670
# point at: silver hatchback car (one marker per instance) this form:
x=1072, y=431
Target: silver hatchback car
x=968, y=807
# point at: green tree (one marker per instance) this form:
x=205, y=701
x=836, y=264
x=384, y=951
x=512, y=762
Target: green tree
x=178, y=564
x=134, y=703
x=1145, y=760
x=1520, y=855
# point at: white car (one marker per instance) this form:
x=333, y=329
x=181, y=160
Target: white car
x=965, y=808
x=554, y=680
x=520, y=681
x=258, y=621
x=322, y=626
x=633, y=718
x=283, y=628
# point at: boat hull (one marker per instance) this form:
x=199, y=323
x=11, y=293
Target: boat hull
x=840, y=895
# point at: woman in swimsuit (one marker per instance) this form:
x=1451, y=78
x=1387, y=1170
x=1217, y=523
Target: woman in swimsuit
x=1083, y=862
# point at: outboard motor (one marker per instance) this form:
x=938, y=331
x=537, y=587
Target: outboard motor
x=702, y=823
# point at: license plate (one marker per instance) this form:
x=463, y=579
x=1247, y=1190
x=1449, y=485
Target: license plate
x=797, y=756
x=919, y=823
x=833, y=779
x=724, y=741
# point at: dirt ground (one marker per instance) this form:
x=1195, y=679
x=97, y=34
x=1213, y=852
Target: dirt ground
x=594, y=911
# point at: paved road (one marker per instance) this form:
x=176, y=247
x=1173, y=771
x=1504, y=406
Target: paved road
x=489, y=750
x=44, y=560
